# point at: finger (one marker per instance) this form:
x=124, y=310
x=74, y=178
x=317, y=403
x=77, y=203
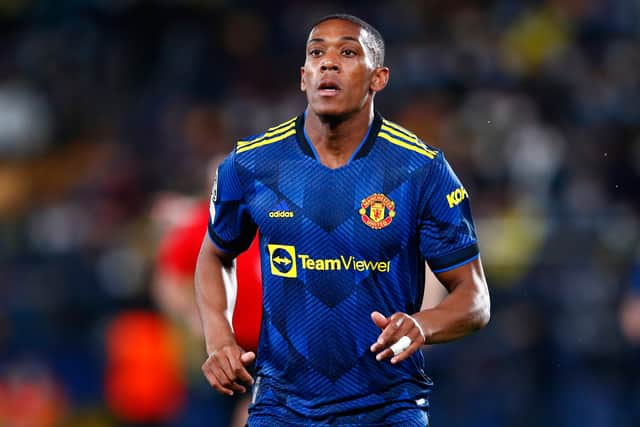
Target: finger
x=224, y=372
x=237, y=372
x=223, y=358
x=389, y=352
x=397, y=327
x=404, y=355
x=227, y=382
x=248, y=358
x=240, y=371
x=213, y=381
x=379, y=319
x=384, y=354
x=414, y=337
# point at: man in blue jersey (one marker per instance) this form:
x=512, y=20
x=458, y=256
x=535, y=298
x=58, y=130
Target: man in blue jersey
x=349, y=207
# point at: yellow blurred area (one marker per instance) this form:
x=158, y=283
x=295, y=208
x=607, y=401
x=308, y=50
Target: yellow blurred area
x=535, y=39
x=510, y=242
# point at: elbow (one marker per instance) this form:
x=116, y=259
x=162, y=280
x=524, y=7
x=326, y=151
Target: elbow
x=482, y=313
x=483, y=317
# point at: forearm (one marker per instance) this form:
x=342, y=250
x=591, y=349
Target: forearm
x=212, y=298
x=465, y=310
x=448, y=321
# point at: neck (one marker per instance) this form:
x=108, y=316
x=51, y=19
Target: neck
x=336, y=138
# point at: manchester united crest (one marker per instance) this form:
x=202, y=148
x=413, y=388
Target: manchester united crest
x=377, y=211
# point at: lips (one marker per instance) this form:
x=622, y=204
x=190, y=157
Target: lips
x=328, y=87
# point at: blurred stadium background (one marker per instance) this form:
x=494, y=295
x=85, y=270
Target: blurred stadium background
x=112, y=110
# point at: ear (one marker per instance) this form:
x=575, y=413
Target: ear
x=303, y=86
x=380, y=79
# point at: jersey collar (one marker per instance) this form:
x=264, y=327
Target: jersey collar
x=363, y=149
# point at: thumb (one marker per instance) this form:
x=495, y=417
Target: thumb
x=379, y=319
x=248, y=357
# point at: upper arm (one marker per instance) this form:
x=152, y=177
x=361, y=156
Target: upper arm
x=231, y=227
x=447, y=232
x=209, y=250
x=469, y=275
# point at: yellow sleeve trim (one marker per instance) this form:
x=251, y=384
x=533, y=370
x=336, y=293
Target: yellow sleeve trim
x=260, y=142
x=424, y=151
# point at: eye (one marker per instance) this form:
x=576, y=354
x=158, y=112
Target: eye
x=349, y=52
x=315, y=52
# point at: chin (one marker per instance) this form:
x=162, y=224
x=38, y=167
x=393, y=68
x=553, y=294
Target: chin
x=330, y=112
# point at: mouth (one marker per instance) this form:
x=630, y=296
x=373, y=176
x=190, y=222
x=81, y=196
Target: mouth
x=328, y=88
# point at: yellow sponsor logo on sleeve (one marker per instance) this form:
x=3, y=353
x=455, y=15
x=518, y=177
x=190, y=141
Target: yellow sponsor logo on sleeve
x=456, y=197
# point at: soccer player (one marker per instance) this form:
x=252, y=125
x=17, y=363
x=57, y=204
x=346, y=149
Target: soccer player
x=349, y=206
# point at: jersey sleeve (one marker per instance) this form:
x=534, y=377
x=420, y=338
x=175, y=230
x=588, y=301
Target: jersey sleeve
x=447, y=232
x=231, y=227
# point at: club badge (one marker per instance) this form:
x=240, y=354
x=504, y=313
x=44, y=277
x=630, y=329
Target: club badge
x=377, y=211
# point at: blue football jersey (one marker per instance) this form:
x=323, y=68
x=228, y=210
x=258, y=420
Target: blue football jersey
x=337, y=244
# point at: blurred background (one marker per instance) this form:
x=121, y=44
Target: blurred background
x=112, y=112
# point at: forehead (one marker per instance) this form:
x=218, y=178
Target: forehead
x=336, y=29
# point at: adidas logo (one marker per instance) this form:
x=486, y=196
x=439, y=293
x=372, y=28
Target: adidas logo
x=281, y=210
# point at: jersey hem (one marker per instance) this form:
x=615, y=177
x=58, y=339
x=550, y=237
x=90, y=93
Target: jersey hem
x=272, y=421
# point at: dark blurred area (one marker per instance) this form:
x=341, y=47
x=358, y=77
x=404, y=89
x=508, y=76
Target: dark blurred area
x=112, y=110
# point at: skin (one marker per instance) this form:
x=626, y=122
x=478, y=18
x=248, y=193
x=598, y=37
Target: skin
x=337, y=120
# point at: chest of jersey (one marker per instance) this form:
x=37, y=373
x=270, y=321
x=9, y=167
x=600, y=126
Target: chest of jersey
x=355, y=217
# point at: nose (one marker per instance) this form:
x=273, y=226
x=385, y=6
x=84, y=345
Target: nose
x=329, y=63
x=326, y=66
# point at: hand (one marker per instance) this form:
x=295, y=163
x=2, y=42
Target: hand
x=225, y=368
x=395, y=327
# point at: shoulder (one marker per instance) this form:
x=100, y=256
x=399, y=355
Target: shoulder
x=401, y=138
x=273, y=135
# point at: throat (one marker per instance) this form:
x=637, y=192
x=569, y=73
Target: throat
x=334, y=158
x=335, y=151
x=336, y=144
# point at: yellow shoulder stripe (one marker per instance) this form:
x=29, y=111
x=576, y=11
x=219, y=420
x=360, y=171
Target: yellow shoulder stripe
x=405, y=135
x=399, y=134
x=424, y=151
x=292, y=119
x=277, y=131
x=260, y=143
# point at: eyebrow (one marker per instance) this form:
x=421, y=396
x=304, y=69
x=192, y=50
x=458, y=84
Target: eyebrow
x=341, y=38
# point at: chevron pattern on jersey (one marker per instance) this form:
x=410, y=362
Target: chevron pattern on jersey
x=314, y=345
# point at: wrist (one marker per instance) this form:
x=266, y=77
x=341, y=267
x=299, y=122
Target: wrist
x=423, y=325
x=218, y=334
x=219, y=344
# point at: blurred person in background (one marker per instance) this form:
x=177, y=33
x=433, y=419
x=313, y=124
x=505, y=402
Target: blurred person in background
x=340, y=342
x=173, y=290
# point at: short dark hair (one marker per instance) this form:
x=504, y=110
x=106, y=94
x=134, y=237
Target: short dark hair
x=376, y=48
